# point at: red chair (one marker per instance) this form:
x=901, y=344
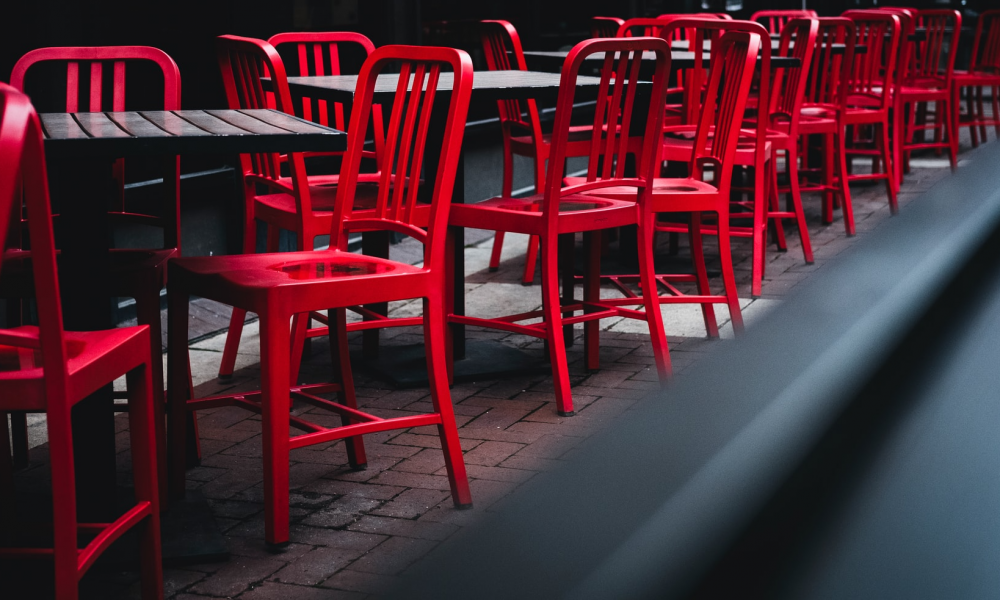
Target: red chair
x=278, y=286
x=720, y=16
x=983, y=72
x=604, y=27
x=563, y=211
x=869, y=95
x=775, y=20
x=757, y=145
x=136, y=273
x=502, y=47
x=926, y=78
x=46, y=369
x=824, y=113
x=316, y=53
x=733, y=60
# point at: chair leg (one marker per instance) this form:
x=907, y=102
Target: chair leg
x=497, y=249
x=341, y=358
x=891, y=182
x=532, y=256
x=728, y=275
x=143, y=429
x=651, y=299
x=774, y=204
x=950, y=129
x=437, y=375
x=759, y=233
x=147, y=310
x=179, y=390
x=275, y=343
x=845, y=188
x=64, y=520
x=995, y=98
x=592, y=293
x=233, y=337
x=567, y=268
x=970, y=104
x=701, y=274
x=19, y=439
x=981, y=111
x=553, y=324
x=300, y=329
x=6, y=475
x=791, y=164
x=829, y=155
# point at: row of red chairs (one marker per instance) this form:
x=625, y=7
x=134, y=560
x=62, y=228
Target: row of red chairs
x=291, y=285
x=280, y=286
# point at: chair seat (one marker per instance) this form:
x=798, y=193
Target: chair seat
x=669, y=194
x=130, y=270
x=93, y=359
x=280, y=208
x=577, y=133
x=679, y=141
x=964, y=78
x=577, y=212
x=305, y=281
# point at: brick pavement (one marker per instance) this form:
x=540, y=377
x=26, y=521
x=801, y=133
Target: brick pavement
x=354, y=532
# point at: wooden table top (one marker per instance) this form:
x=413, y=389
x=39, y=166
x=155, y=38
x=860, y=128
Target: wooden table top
x=679, y=59
x=175, y=132
x=486, y=85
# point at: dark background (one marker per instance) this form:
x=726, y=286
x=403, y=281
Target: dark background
x=185, y=29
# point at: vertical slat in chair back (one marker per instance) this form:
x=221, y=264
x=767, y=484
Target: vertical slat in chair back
x=406, y=144
x=830, y=68
x=94, y=62
x=775, y=20
x=934, y=58
x=319, y=54
x=612, y=133
x=605, y=27
x=503, y=52
x=242, y=63
x=734, y=59
x=986, y=46
x=798, y=40
x=873, y=73
x=22, y=170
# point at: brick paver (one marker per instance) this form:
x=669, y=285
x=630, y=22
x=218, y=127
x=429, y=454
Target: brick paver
x=354, y=532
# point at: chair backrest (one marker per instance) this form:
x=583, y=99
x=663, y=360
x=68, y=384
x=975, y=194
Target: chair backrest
x=89, y=72
x=798, y=40
x=242, y=63
x=734, y=59
x=702, y=15
x=830, y=69
x=604, y=27
x=421, y=68
x=985, y=56
x=934, y=57
x=873, y=72
x=612, y=127
x=319, y=54
x=22, y=175
x=905, y=59
x=775, y=20
x=698, y=32
x=503, y=51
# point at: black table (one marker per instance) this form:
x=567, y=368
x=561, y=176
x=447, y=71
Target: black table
x=475, y=358
x=679, y=59
x=80, y=149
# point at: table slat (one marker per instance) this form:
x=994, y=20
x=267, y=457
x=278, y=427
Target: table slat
x=62, y=126
x=284, y=121
x=246, y=123
x=135, y=124
x=173, y=124
x=209, y=123
x=98, y=125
